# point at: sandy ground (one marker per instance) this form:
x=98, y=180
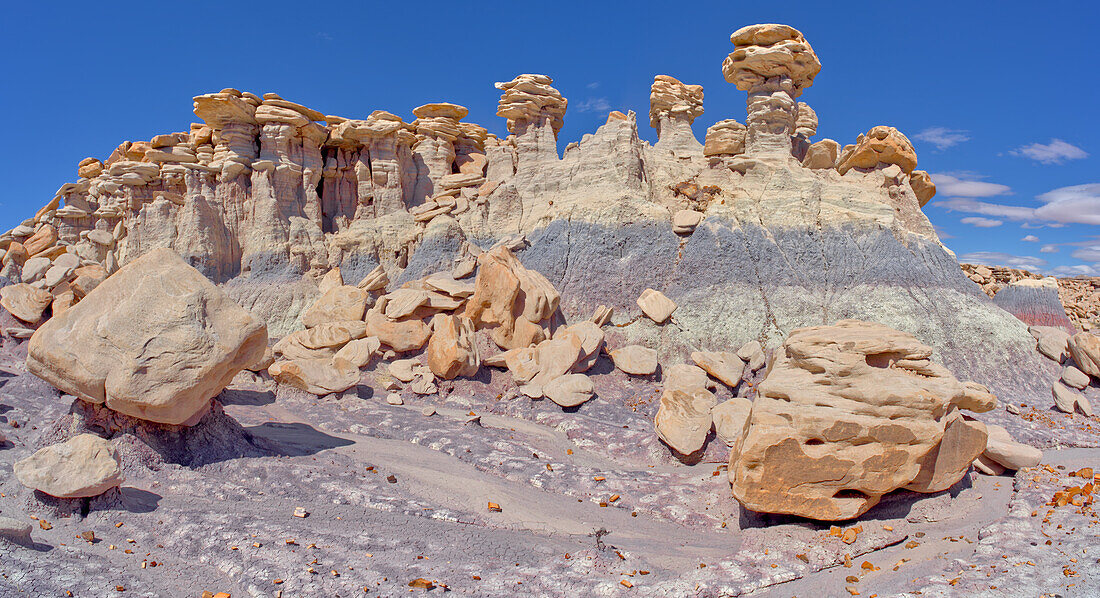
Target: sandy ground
x=394, y=495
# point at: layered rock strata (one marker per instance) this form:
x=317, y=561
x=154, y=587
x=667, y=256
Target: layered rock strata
x=266, y=196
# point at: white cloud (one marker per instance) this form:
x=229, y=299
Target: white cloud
x=593, y=85
x=1048, y=249
x=1078, y=204
x=988, y=209
x=965, y=184
x=981, y=222
x=1078, y=270
x=942, y=137
x=1055, y=152
x=997, y=258
x=1031, y=239
x=1088, y=254
x=594, y=105
x=942, y=234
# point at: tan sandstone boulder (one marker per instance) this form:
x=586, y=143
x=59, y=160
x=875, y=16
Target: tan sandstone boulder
x=452, y=349
x=884, y=145
x=656, y=306
x=156, y=341
x=684, y=419
x=1084, y=347
x=729, y=419
x=340, y=303
x=25, y=302
x=400, y=335
x=635, y=359
x=85, y=465
x=1003, y=450
x=504, y=291
x=846, y=414
x=316, y=376
x=727, y=368
x=569, y=390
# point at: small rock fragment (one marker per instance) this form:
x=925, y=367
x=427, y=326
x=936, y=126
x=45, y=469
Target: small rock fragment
x=656, y=306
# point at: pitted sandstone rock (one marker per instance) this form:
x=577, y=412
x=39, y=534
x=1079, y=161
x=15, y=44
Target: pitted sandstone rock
x=846, y=414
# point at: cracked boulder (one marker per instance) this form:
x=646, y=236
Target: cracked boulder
x=506, y=292
x=156, y=341
x=848, y=413
x=85, y=465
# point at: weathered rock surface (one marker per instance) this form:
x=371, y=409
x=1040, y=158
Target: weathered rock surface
x=25, y=302
x=1035, y=302
x=86, y=465
x=1084, y=347
x=846, y=414
x=156, y=340
x=316, y=376
x=684, y=418
x=452, y=349
x=635, y=359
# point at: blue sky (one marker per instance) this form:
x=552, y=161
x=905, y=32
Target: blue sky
x=1001, y=102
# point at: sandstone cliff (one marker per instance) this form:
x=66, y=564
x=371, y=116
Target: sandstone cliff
x=265, y=196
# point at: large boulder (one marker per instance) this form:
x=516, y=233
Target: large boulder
x=504, y=292
x=156, y=341
x=452, y=349
x=85, y=465
x=316, y=376
x=848, y=413
x=684, y=419
x=25, y=302
x=1084, y=347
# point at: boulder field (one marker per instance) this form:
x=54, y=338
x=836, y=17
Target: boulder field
x=286, y=351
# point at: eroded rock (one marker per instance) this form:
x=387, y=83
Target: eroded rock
x=846, y=414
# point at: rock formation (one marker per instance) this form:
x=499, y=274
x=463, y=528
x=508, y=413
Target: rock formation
x=265, y=196
x=773, y=63
x=673, y=106
x=1079, y=297
x=86, y=465
x=848, y=413
x=156, y=340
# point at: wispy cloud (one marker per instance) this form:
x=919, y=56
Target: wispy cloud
x=1088, y=254
x=1075, y=270
x=1048, y=249
x=942, y=137
x=942, y=234
x=594, y=105
x=981, y=222
x=321, y=35
x=997, y=258
x=593, y=85
x=1031, y=239
x=967, y=184
x=1055, y=152
x=1078, y=204
x=988, y=209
